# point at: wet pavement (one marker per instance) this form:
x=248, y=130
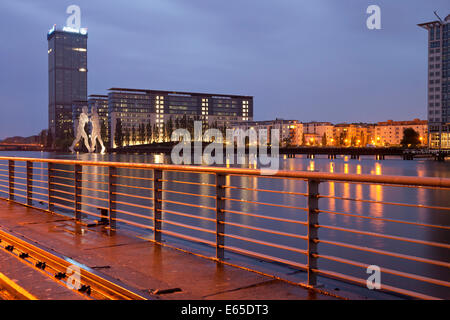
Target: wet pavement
x=136, y=262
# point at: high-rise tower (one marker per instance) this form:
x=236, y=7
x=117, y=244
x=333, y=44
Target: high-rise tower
x=438, y=82
x=67, y=77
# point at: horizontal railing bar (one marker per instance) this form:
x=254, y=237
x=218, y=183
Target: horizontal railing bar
x=266, y=217
x=193, y=183
x=186, y=237
x=265, y=256
x=19, y=195
x=61, y=191
x=40, y=187
x=92, y=197
x=20, y=183
x=128, y=186
x=139, y=225
x=18, y=189
x=60, y=170
x=93, y=181
x=386, y=270
x=386, y=219
x=93, y=173
x=429, y=243
x=377, y=179
x=363, y=282
x=133, y=214
x=60, y=198
x=40, y=174
x=40, y=181
x=90, y=213
x=266, y=190
x=390, y=185
x=93, y=206
x=266, y=230
x=187, y=226
x=266, y=204
x=62, y=206
x=132, y=196
x=187, y=204
x=91, y=189
x=39, y=200
x=62, y=184
x=265, y=243
x=132, y=204
x=187, y=215
x=386, y=203
x=386, y=253
x=131, y=177
x=188, y=194
x=40, y=193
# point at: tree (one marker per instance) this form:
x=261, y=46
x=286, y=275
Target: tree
x=133, y=135
x=411, y=138
x=43, y=137
x=119, y=136
x=324, y=139
x=126, y=136
x=50, y=139
x=148, y=133
x=104, y=132
x=142, y=133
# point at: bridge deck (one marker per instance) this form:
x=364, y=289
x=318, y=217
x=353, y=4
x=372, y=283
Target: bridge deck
x=143, y=264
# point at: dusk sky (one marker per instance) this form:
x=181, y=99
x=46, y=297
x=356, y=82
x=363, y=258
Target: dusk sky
x=303, y=60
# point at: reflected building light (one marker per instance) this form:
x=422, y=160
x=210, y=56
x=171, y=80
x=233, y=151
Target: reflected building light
x=378, y=169
x=158, y=158
x=358, y=169
x=311, y=166
x=345, y=167
x=331, y=167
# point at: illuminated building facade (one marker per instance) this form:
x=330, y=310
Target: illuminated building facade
x=67, y=78
x=438, y=82
x=291, y=131
x=390, y=133
x=157, y=108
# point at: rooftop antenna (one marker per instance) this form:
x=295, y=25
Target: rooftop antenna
x=438, y=17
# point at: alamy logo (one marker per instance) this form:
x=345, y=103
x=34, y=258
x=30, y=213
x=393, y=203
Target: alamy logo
x=374, y=20
x=374, y=280
x=214, y=153
x=74, y=279
x=74, y=20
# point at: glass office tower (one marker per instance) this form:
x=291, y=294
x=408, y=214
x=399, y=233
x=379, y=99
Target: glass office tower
x=438, y=82
x=67, y=78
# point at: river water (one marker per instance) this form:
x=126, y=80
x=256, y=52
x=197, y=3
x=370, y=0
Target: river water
x=364, y=165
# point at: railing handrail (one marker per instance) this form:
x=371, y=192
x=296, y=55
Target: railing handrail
x=364, y=178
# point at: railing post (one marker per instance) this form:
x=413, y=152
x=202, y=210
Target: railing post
x=49, y=185
x=157, y=204
x=77, y=192
x=112, y=172
x=11, y=179
x=220, y=215
x=313, y=221
x=29, y=168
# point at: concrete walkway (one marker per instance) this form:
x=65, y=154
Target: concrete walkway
x=139, y=263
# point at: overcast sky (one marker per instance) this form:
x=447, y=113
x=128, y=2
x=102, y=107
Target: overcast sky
x=304, y=60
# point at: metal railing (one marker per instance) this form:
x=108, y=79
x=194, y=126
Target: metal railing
x=139, y=195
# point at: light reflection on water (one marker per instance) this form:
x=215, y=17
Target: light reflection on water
x=364, y=165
